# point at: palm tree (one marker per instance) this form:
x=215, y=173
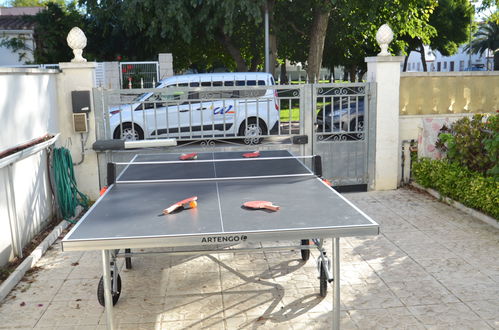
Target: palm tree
x=487, y=37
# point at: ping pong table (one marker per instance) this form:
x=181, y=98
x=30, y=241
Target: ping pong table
x=129, y=215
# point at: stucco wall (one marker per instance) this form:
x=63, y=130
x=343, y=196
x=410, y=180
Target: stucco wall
x=28, y=110
x=28, y=105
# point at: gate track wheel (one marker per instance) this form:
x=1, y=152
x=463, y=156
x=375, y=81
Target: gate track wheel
x=305, y=253
x=100, y=290
x=323, y=281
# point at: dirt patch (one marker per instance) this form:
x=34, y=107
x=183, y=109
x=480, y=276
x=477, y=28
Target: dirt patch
x=420, y=191
x=26, y=145
x=6, y=270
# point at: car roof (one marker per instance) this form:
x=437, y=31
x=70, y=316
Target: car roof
x=220, y=76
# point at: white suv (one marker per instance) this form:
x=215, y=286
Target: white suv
x=189, y=110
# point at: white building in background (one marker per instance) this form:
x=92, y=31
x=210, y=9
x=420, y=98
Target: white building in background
x=13, y=25
x=458, y=62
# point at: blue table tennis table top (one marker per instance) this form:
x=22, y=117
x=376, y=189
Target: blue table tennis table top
x=129, y=214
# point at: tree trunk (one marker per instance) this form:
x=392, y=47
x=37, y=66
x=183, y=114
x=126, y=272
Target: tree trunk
x=255, y=61
x=405, y=61
x=352, y=71
x=423, y=57
x=273, y=54
x=234, y=52
x=423, y=61
x=272, y=39
x=284, y=75
x=362, y=72
x=317, y=37
x=496, y=60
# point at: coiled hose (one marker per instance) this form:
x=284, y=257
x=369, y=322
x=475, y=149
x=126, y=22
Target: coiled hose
x=67, y=194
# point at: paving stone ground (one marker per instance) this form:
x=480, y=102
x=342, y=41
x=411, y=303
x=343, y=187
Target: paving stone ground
x=432, y=267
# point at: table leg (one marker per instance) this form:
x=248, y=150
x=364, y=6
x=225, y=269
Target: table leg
x=108, y=298
x=336, y=283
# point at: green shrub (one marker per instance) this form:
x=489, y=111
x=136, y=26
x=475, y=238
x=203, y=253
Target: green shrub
x=491, y=144
x=468, y=187
x=473, y=143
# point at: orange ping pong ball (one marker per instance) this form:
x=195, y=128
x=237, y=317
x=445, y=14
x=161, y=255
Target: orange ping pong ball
x=193, y=204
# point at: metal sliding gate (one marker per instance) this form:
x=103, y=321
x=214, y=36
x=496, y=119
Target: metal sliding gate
x=344, y=131
x=331, y=120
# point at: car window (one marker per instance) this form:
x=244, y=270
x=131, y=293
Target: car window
x=251, y=93
x=214, y=95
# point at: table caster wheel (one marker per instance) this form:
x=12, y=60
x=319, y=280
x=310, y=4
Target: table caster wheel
x=100, y=290
x=128, y=260
x=323, y=281
x=305, y=253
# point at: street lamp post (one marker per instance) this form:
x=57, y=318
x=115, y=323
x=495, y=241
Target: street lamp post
x=267, y=60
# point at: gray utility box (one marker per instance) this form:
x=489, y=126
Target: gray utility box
x=80, y=101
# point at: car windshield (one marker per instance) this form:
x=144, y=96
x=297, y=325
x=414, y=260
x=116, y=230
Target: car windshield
x=143, y=96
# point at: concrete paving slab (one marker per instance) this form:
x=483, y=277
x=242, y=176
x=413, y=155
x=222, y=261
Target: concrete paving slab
x=432, y=267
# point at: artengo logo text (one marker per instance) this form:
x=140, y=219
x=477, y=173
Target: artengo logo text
x=224, y=239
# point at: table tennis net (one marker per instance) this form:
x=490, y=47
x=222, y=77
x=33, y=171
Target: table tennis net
x=207, y=167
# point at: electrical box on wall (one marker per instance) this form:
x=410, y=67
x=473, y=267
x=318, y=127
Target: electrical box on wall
x=80, y=101
x=80, y=122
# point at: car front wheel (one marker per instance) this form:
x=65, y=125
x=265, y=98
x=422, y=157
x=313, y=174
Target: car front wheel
x=252, y=130
x=128, y=132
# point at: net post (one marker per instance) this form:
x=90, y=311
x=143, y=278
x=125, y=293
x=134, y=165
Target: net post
x=317, y=165
x=111, y=173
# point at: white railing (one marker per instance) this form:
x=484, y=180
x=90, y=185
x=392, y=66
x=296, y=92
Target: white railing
x=32, y=66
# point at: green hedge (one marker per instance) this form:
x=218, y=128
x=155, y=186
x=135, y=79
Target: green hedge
x=460, y=184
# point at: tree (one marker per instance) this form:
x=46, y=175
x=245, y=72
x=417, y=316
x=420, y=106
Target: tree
x=353, y=26
x=51, y=28
x=34, y=3
x=109, y=37
x=321, y=11
x=490, y=6
x=451, y=21
x=487, y=37
x=205, y=25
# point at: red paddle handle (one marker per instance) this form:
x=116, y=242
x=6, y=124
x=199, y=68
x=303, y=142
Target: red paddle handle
x=172, y=208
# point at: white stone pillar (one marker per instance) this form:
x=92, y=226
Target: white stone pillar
x=78, y=77
x=384, y=70
x=165, y=65
x=112, y=75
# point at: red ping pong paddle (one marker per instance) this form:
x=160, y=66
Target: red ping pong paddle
x=252, y=154
x=188, y=156
x=261, y=205
x=186, y=204
x=102, y=191
x=326, y=181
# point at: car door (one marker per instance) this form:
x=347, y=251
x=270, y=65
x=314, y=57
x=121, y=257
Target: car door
x=157, y=120
x=219, y=111
x=210, y=112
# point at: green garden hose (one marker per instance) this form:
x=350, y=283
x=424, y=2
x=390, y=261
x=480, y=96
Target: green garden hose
x=67, y=194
